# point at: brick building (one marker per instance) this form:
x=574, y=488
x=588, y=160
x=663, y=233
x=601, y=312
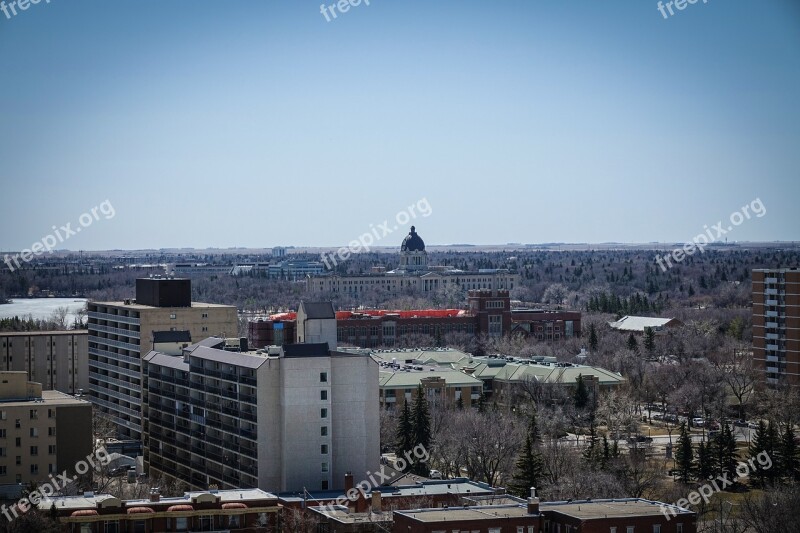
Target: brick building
x=776, y=324
x=488, y=313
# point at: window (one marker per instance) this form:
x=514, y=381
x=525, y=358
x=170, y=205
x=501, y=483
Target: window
x=656, y=528
x=51, y=413
x=34, y=450
x=112, y=527
x=17, y=424
x=34, y=414
x=51, y=432
x=2, y=415
x=678, y=528
x=2, y=452
x=323, y=449
x=323, y=395
x=323, y=413
x=629, y=529
x=51, y=450
x=3, y=470
x=233, y=521
x=324, y=468
x=173, y=316
x=324, y=484
x=19, y=460
x=612, y=530
x=139, y=527
x=86, y=528
x=34, y=432
x=34, y=469
x=323, y=431
x=180, y=524
x=2, y=433
x=323, y=377
x=18, y=442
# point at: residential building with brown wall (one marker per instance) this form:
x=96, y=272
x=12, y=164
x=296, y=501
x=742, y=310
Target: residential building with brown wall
x=41, y=432
x=232, y=511
x=776, y=325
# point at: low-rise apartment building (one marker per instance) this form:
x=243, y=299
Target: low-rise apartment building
x=41, y=432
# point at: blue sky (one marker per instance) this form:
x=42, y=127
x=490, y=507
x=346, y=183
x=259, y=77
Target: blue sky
x=258, y=123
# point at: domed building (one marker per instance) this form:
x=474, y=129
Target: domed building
x=413, y=256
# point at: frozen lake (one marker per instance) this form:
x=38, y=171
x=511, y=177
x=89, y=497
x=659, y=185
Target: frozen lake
x=41, y=307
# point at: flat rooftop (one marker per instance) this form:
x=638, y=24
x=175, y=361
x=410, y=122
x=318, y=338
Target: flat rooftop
x=135, y=306
x=467, y=513
x=66, y=332
x=50, y=398
x=613, y=508
x=90, y=502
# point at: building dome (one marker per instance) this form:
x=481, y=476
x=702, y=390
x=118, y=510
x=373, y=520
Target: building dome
x=412, y=242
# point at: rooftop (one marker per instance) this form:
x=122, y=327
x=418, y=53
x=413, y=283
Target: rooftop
x=639, y=323
x=450, y=514
x=611, y=508
x=50, y=398
x=44, y=333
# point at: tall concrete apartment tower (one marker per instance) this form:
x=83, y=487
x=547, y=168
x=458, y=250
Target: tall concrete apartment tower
x=776, y=324
x=120, y=333
x=284, y=418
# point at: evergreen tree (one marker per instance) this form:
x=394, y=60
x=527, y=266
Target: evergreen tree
x=581, y=393
x=529, y=470
x=592, y=338
x=421, y=422
x=763, y=441
x=705, y=467
x=789, y=455
x=405, y=432
x=593, y=453
x=649, y=339
x=482, y=403
x=632, y=344
x=723, y=450
x=460, y=403
x=683, y=455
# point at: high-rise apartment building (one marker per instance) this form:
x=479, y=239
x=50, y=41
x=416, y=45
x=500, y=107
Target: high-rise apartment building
x=282, y=418
x=41, y=432
x=776, y=324
x=59, y=360
x=120, y=333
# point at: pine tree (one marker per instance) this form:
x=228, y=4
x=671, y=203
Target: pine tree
x=763, y=441
x=404, y=441
x=724, y=453
x=593, y=454
x=649, y=340
x=705, y=467
x=529, y=469
x=632, y=344
x=683, y=455
x=789, y=455
x=581, y=393
x=421, y=422
x=592, y=338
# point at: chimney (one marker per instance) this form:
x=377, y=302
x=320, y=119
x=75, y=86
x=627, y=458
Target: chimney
x=533, y=502
x=348, y=481
x=155, y=495
x=376, y=501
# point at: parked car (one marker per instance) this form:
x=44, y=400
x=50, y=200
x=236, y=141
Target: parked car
x=698, y=422
x=640, y=438
x=435, y=474
x=740, y=423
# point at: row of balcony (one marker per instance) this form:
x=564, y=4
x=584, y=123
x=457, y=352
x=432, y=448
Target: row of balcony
x=113, y=318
